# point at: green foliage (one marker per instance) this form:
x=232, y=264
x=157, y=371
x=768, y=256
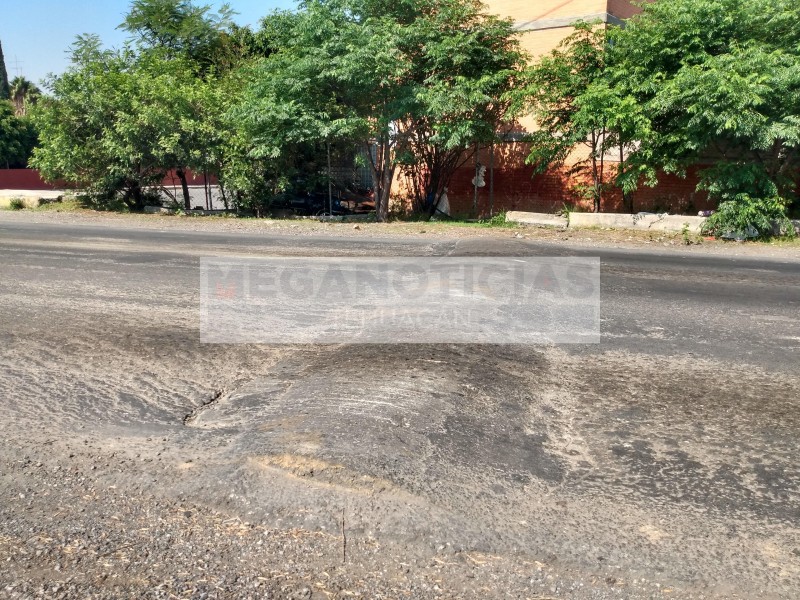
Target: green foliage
x=720, y=83
x=499, y=220
x=579, y=111
x=62, y=204
x=744, y=217
x=687, y=82
x=17, y=138
x=16, y=204
x=5, y=92
x=419, y=80
x=208, y=46
x=688, y=237
x=180, y=29
x=24, y=94
x=550, y=92
x=117, y=122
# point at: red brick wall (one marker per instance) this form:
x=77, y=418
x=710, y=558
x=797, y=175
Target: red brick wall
x=517, y=188
x=22, y=179
x=29, y=179
x=191, y=178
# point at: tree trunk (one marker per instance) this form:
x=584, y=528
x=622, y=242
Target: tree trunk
x=595, y=186
x=602, y=179
x=330, y=181
x=187, y=200
x=134, y=198
x=382, y=208
x=627, y=197
x=491, y=180
x=382, y=175
x=475, y=186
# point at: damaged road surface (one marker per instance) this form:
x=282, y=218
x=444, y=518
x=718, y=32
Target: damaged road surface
x=137, y=462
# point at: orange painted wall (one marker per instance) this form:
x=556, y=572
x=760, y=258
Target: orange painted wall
x=527, y=10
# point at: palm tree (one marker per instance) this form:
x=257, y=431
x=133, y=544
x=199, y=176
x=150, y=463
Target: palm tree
x=23, y=94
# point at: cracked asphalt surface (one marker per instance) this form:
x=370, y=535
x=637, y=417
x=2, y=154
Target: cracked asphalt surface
x=137, y=462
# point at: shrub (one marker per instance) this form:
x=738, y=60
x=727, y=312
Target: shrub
x=747, y=217
x=499, y=220
x=16, y=204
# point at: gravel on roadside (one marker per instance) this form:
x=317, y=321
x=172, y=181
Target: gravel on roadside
x=657, y=241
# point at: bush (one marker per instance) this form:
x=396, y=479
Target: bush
x=746, y=217
x=16, y=204
x=498, y=220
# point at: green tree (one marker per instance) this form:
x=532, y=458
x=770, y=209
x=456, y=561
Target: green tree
x=719, y=81
x=17, y=138
x=201, y=41
x=5, y=92
x=415, y=84
x=116, y=122
x=582, y=117
x=462, y=64
x=180, y=28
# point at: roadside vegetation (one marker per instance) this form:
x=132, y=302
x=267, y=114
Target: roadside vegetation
x=405, y=89
x=411, y=91
x=688, y=83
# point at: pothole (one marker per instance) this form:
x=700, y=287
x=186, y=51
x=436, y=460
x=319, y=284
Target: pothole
x=190, y=419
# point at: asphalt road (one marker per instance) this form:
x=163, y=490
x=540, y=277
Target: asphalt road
x=660, y=463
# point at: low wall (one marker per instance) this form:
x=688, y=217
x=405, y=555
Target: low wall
x=537, y=219
x=517, y=188
x=24, y=179
x=641, y=222
x=30, y=179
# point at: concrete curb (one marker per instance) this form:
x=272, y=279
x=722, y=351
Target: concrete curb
x=538, y=219
x=640, y=222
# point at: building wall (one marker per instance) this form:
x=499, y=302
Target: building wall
x=31, y=180
x=526, y=11
x=24, y=179
x=544, y=24
x=516, y=187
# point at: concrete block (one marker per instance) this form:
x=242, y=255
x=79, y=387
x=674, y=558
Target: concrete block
x=537, y=219
x=29, y=201
x=158, y=210
x=641, y=222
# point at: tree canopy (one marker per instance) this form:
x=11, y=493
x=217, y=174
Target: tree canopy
x=24, y=94
x=5, y=91
x=118, y=122
x=413, y=84
x=720, y=83
x=413, y=88
x=709, y=83
x=17, y=138
x=180, y=28
x=572, y=127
